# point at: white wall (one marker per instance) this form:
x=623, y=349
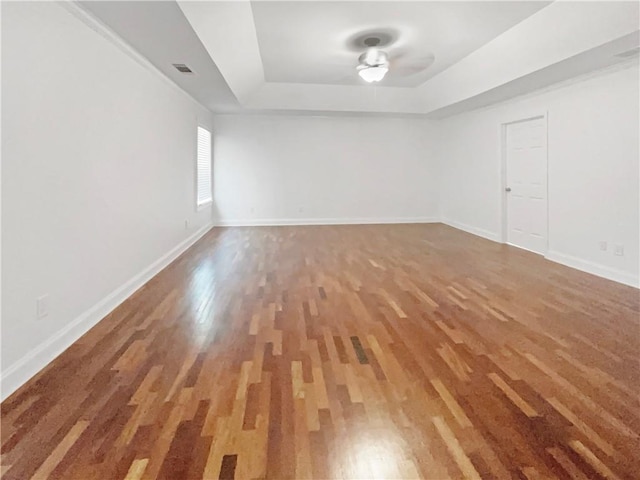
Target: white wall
x=593, y=156
x=98, y=156
x=303, y=169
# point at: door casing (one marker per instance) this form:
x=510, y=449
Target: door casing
x=503, y=180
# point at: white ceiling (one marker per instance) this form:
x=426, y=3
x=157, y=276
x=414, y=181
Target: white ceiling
x=313, y=42
x=274, y=56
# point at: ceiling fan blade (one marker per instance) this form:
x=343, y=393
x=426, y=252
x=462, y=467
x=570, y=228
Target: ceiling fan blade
x=412, y=59
x=405, y=65
x=406, y=71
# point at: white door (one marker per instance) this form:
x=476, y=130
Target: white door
x=526, y=184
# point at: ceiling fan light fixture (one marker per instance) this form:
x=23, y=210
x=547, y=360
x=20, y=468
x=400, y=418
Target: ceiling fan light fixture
x=374, y=73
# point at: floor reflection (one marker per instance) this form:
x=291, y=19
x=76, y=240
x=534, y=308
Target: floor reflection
x=202, y=300
x=377, y=454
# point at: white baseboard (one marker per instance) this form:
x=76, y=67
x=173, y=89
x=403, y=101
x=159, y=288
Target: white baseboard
x=473, y=230
x=567, y=260
x=260, y=222
x=595, y=269
x=36, y=359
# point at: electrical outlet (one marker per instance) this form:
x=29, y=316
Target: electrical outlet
x=42, y=306
x=619, y=250
x=603, y=245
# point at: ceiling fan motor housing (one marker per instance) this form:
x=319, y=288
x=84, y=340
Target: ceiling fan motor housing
x=374, y=58
x=372, y=41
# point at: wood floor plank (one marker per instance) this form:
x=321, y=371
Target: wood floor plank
x=458, y=454
x=370, y=351
x=527, y=409
x=60, y=451
x=137, y=469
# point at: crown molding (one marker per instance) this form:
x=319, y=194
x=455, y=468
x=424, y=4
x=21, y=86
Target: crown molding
x=76, y=9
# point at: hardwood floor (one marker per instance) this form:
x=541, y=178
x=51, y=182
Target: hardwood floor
x=390, y=351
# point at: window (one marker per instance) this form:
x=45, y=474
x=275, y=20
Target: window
x=204, y=167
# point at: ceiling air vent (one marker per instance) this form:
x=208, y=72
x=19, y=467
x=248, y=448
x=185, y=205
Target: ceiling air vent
x=629, y=53
x=182, y=68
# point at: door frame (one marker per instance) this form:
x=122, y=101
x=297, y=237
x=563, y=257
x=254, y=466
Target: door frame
x=503, y=169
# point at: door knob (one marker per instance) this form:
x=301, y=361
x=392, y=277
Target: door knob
x=508, y=189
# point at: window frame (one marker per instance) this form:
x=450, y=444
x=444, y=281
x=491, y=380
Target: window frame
x=209, y=201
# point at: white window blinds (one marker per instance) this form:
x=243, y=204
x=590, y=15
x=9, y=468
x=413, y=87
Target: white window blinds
x=204, y=167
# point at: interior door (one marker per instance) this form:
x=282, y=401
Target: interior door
x=526, y=184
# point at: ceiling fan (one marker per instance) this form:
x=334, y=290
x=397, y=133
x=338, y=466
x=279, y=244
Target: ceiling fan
x=375, y=63
x=373, y=66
